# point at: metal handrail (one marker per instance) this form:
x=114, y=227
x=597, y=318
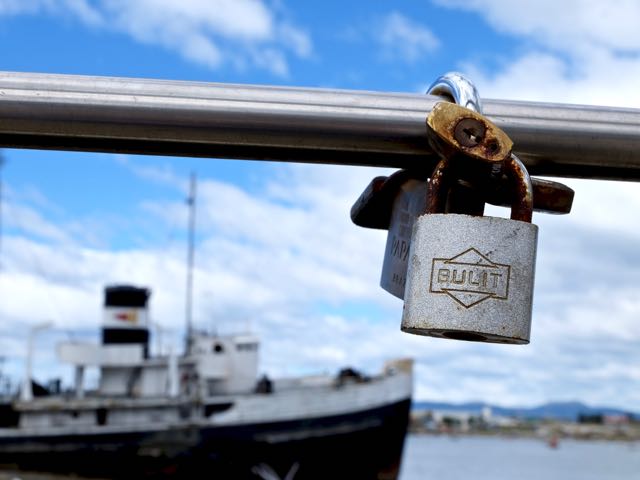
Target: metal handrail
x=104, y=114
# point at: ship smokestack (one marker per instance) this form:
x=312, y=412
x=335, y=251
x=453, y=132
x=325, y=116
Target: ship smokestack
x=126, y=316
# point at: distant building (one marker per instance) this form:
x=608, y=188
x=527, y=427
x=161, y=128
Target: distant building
x=621, y=419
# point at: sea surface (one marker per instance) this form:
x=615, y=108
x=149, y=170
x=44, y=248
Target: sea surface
x=492, y=458
x=429, y=457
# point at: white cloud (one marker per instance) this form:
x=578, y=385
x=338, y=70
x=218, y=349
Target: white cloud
x=404, y=39
x=297, y=40
x=79, y=8
x=13, y=7
x=30, y=221
x=586, y=52
x=158, y=173
x=213, y=34
x=84, y=11
x=570, y=25
x=605, y=78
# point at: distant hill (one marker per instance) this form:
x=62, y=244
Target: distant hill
x=554, y=410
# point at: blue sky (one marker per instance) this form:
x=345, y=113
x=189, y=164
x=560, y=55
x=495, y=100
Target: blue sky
x=276, y=249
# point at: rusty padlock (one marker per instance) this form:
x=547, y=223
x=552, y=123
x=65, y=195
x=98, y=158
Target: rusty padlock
x=471, y=277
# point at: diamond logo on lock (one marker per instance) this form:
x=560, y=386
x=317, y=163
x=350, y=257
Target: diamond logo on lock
x=470, y=278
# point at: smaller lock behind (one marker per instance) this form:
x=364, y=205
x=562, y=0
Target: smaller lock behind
x=408, y=204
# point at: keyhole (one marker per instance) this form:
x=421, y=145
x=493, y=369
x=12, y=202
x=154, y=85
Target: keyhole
x=472, y=135
x=469, y=132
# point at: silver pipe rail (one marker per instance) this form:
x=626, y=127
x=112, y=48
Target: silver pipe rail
x=124, y=115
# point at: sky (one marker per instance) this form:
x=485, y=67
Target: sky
x=276, y=252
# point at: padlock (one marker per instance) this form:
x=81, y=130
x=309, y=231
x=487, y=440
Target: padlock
x=409, y=203
x=471, y=277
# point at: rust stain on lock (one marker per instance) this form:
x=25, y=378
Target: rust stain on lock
x=373, y=208
x=452, y=129
x=557, y=198
x=522, y=203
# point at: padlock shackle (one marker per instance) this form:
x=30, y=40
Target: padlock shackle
x=522, y=203
x=457, y=87
x=438, y=183
x=522, y=190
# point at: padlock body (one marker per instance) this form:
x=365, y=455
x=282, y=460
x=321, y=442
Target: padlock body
x=408, y=204
x=470, y=278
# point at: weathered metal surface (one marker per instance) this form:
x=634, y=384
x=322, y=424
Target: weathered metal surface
x=457, y=131
x=476, y=152
x=470, y=278
x=443, y=179
x=67, y=112
x=522, y=202
x=463, y=137
x=548, y=196
x=439, y=183
x=373, y=207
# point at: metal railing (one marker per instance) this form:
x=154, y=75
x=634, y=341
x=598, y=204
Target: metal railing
x=297, y=124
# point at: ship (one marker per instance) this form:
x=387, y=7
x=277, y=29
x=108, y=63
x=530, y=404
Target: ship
x=206, y=413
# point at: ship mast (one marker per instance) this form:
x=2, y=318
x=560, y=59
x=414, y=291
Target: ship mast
x=191, y=202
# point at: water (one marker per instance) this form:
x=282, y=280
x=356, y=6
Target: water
x=492, y=458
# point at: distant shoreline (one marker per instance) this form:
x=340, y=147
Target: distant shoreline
x=529, y=435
